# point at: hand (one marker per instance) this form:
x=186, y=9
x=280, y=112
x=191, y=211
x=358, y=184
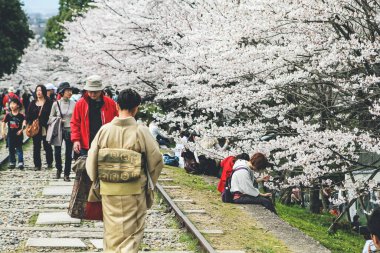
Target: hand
x=266, y=178
x=4, y=136
x=19, y=132
x=267, y=194
x=76, y=147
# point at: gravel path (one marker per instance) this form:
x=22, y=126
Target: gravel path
x=21, y=198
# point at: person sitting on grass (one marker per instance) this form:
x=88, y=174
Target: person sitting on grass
x=373, y=225
x=14, y=138
x=243, y=182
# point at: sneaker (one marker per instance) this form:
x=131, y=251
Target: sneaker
x=11, y=166
x=66, y=179
x=50, y=166
x=58, y=174
x=20, y=166
x=37, y=168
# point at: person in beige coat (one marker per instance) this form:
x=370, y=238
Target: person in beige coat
x=115, y=159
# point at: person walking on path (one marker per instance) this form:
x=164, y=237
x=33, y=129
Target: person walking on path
x=63, y=108
x=40, y=108
x=8, y=97
x=243, y=182
x=120, y=144
x=91, y=112
x=14, y=119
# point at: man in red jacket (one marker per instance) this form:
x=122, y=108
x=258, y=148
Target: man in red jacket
x=91, y=112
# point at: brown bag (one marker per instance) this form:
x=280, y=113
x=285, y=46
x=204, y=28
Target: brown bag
x=33, y=129
x=85, y=202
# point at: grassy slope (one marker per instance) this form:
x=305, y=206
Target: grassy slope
x=240, y=230
x=316, y=226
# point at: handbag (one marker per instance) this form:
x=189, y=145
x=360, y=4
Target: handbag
x=33, y=129
x=85, y=201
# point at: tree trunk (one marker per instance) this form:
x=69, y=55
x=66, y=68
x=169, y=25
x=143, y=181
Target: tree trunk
x=315, y=203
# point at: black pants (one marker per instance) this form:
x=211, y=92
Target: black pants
x=259, y=200
x=68, y=154
x=37, y=150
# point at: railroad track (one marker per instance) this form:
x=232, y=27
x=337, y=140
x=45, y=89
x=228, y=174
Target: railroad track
x=33, y=217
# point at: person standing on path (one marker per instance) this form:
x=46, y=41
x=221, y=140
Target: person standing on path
x=91, y=112
x=14, y=119
x=40, y=108
x=63, y=108
x=120, y=144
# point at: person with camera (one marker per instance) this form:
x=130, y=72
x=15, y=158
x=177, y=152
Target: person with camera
x=244, y=180
x=63, y=109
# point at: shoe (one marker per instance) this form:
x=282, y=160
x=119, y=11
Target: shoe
x=37, y=168
x=20, y=166
x=66, y=179
x=50, y=166
x=11, y=166
x=58, y=175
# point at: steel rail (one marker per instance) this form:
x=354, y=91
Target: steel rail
x=188, y=224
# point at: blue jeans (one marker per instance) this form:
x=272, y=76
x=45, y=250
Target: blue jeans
x=12, y=153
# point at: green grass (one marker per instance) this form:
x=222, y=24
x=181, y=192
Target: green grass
x=316, y=226
x=190, y=241
x=33, y=219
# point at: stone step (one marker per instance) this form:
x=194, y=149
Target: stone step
x=194, y=211
x=57, y=191
x=36, y=199
x=55, y=243
x=171, y=187
x=56, y=218
x=184, y=201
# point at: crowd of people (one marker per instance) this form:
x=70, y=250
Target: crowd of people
x=101, y=125
x=64, y=114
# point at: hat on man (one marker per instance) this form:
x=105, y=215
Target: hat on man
x=94, y=83
x=50, y=86
x=11, y=89
x=64, y=86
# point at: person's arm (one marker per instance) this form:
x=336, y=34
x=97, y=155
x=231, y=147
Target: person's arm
x=53, y=112
x=263, y=179
x=92, y=159
x=4, y=134
x=75, y=128
x=153, y=154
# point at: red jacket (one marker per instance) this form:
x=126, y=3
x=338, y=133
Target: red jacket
x=226, y=164
x=80, y=129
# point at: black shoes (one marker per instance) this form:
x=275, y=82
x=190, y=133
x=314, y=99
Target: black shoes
x=50, y=166
x=11, y=166
x=66, y=179
x=37, y=168
x=58, y=175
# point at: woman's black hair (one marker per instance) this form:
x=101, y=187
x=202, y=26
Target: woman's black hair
x=242, y=156
x=16, y=101
x=128, y=99
x=43, y=89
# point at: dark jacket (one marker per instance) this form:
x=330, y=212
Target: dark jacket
x=33, y=111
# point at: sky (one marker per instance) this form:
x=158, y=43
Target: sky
x=41, y=6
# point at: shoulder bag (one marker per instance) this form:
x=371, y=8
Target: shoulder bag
x=33, y=129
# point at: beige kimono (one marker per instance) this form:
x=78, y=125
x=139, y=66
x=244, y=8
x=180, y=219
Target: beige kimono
x=124, y=204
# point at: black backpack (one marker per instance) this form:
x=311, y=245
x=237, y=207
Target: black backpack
x=227, y=196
